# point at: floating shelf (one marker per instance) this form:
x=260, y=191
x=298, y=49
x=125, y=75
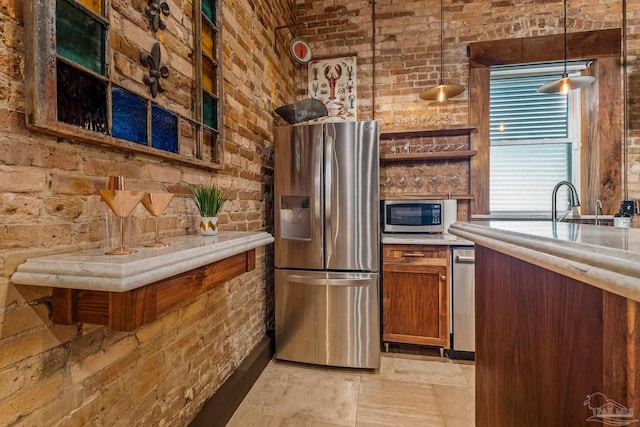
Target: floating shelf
x=416, y=133
x=433, y=155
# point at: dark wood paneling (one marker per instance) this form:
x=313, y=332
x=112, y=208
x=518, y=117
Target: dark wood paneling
x=130, y=310
x=64, y=306
x=580, y=45
x=479, y=113
x=218, y=273
x=92, y=306
x=178, y=290
x=126, y=311
x=539, y=344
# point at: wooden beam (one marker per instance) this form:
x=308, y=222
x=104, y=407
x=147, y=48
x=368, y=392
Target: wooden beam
x=580, y=45
x=479, y=114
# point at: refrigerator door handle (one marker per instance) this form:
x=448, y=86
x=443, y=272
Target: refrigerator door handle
x=328, y=189
x=305, y=280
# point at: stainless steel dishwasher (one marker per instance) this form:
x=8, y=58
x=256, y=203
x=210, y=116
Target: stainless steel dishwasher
x=463, y=303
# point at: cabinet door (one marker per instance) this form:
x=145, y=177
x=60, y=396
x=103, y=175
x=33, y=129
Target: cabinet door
x=415, y=304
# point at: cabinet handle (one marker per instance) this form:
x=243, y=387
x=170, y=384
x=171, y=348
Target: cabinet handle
x=443, y=277
x=413, y=254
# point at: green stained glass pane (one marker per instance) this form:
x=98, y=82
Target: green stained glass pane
x=209, y=110
x=79, y=37
x=209, y=9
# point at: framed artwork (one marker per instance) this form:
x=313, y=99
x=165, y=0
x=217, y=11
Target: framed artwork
x=334, y=82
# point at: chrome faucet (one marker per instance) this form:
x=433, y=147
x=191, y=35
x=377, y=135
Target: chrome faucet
x=575, y=201
x=598, y=209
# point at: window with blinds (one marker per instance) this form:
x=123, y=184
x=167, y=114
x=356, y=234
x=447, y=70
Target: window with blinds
x=533, y=142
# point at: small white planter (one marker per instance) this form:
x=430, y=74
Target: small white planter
x=208, y=225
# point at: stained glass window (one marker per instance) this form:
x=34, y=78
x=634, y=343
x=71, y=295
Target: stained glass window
x=164, y=129
x=128, y=115
x=82, y=77
x=80, y=37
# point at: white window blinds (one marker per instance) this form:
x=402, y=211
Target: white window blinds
x=531, y=144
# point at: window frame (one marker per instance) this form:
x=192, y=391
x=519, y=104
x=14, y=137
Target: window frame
x=40, y=87
x=601, y=115
x=573, y=127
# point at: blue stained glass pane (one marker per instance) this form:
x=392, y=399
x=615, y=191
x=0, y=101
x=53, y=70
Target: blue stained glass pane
x=164, y=129
x=209, y=110
x=129, y=116
x=209, y=9
x=79, y=37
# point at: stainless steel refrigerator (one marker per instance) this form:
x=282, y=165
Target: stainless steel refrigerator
x=327, y=244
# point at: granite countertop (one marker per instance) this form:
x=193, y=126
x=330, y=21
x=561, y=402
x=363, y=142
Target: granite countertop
x=424, y=239
x=93, y=270
x=602, y=256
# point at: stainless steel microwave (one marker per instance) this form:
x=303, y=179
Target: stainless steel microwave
x=413, y=216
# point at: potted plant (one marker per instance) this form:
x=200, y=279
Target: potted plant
x=209, y=199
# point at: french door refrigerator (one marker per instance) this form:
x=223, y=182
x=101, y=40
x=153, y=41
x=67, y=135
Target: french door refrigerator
x=327, y=244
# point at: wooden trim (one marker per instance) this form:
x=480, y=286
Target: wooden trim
x=218, y=410
x=454, y=130
x=127, y=311
x=479, y=113
x=580, y=45
x=433, y=155
x=601, y=134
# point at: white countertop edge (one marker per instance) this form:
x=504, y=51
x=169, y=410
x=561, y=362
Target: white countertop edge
x=438, y=239
x=580, y=262
x=128, y=276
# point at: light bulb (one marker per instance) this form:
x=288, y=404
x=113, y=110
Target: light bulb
x=565, y=87
x=441, y=95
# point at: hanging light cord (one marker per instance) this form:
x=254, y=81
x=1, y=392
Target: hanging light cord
x=624, y=101
x=565, y=39
x=441, y=43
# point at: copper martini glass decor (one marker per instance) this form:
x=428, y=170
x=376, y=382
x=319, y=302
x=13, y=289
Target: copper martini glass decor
x=122, y=203
x=156, y=203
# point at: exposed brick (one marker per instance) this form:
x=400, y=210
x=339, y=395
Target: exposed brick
x=22, y=319
x=20, y=180
x=17, y=348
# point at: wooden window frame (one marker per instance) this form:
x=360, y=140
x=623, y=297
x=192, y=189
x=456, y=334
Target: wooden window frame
x=601, y=134
x=40, y=90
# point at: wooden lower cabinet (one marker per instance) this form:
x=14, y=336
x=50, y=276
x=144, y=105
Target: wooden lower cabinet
x=415, y=302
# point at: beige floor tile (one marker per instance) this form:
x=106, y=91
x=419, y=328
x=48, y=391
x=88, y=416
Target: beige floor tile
x=305, y=393
x=456, y=402
x=458, y=422
x=440, y=371
x=393, y=403
x=469, y=372
x=247, y=418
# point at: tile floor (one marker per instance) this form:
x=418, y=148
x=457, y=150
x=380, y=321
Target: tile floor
x=408, y=390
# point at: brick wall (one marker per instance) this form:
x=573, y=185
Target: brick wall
x=408, y=56
x=162, y=373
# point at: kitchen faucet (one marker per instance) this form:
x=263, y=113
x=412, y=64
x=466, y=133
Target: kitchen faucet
x=598, y=209
x=575, y=202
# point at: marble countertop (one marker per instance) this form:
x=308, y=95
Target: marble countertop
x=93, y=270
x=602, y=256
x=424, y=239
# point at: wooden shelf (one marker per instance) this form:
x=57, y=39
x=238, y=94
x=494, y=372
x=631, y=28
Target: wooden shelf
x=417, y=133
x=432, y=155
x=127, y=311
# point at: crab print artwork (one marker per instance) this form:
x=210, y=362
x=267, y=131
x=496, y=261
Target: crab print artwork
x=333, y=81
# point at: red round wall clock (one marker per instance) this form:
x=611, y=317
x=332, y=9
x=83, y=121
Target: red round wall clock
x=300, y=50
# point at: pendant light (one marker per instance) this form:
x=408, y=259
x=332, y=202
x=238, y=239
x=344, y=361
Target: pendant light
x=442, y=92
x=566, y=83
